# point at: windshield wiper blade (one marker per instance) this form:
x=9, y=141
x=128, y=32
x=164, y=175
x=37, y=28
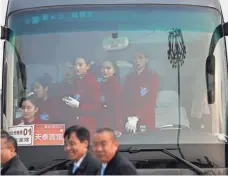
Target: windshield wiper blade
x=191, y=166
x=49, y=168
x=175, y=126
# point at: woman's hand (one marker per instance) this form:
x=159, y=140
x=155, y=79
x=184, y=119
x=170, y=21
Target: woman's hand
x=71, y=102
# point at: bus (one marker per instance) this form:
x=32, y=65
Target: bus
x=153, y=71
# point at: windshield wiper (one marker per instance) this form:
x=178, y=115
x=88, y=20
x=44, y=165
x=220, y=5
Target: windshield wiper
x=174, y=126
x=49, y=168
x=191, y=166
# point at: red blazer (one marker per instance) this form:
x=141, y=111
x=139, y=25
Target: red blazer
x=63, y=89
x=49, y=110
x=88, y=91
x=61, y=113
x=141, y=105
x=111, y=104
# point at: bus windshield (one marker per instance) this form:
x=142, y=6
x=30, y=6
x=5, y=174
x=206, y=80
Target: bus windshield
x=136, y=70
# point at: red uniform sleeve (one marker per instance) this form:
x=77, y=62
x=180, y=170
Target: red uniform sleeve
x=135, y=104
x=126, y=94
x=117, y=105
x=155, y=86
x=146, y=110
x=94, y=97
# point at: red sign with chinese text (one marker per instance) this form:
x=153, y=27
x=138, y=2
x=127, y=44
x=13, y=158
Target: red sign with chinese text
x=49, y=134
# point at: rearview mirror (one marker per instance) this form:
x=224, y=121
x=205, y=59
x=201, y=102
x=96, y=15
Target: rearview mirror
x=210, y=78
x=7, y=34
x=225, y=28
x=115, y=43
x=219, y=32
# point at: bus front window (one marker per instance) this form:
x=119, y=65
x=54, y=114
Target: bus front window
x=75, y=74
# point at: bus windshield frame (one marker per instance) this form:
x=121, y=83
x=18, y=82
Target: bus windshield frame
x=16, y=20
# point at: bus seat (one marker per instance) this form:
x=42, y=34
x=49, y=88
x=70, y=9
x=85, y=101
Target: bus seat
x=167, y=109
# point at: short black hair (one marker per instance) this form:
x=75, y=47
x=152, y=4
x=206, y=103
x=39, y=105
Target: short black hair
x=106, y=129
x=11, y=140
x=82, y=133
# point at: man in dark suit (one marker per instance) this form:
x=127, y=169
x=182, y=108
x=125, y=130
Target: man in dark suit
x=105, y=146
x=10, y=162
x=76, y=146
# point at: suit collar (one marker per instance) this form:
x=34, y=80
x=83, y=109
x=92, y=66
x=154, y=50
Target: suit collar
x=11, y=161
x=8, y=164
x=82, y=165
x=85, y=160
x=111, y=164
x=78, y=163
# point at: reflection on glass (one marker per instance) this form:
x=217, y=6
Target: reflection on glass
x=132, y=89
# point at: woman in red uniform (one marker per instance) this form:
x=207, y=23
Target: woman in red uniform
x=140, y=93
x=85, y=100
x=48, y=106
x=30, y=109
x=111, y=114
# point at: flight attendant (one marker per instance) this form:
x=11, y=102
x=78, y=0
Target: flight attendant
x=140, y=93
x=111, y=108
x=48, y=106
x=85, y=99
x=29, y=110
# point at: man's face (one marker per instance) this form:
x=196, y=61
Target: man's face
x=74, y=148
x=7, y=151
x=140, y=61
x=80, y=66
x=104, y=146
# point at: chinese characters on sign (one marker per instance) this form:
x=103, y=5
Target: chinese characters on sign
x=51, y=134
x=45, y=136
x=42, y=134
x=23, y=134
